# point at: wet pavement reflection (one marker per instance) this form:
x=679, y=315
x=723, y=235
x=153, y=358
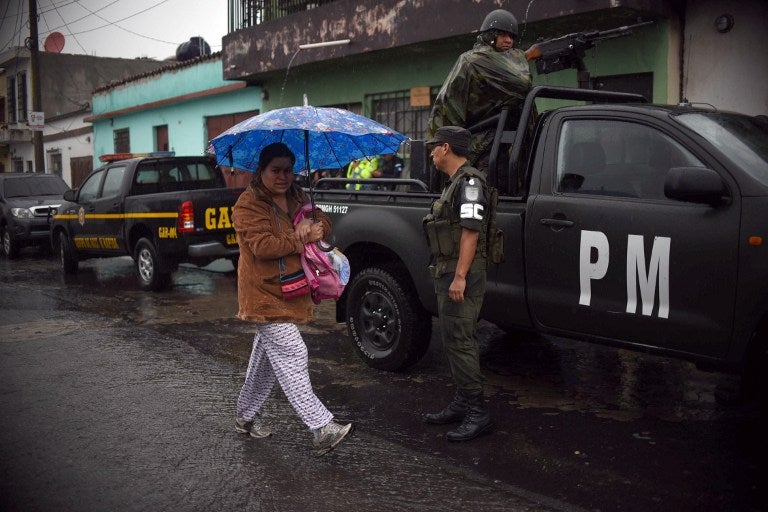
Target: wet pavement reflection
x=578, y=427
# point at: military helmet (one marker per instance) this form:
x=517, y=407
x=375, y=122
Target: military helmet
x=500, y=20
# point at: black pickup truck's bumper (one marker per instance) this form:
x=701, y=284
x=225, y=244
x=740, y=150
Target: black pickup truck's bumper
x=211, y=250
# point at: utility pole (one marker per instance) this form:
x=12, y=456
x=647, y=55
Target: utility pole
x=34, y=48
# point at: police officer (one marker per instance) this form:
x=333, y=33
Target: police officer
x=491, y=75
x=456, y=229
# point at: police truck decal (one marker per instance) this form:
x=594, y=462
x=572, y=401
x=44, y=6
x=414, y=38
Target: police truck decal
x=654, y=276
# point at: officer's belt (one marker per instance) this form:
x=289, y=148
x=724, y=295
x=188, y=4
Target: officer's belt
x=446, y=266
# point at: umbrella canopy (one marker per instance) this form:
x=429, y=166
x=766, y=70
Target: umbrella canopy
x=320, y=137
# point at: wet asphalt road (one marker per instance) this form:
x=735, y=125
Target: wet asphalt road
x=117, y=399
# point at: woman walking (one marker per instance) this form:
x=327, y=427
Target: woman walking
x=274, y=296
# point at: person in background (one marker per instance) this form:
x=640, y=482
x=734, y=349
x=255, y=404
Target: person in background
x=491, y=75
x=270, y=248
x=391, y=166
x=363, y=169
x=457, y=228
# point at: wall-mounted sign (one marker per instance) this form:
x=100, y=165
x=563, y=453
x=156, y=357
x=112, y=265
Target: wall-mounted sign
x=36, y=121
x=420, y=97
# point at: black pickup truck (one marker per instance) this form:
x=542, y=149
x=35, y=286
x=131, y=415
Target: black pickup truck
x=626, y=223
x=161, y=211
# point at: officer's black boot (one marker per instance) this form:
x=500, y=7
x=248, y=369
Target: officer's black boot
x=453, y=413
x=476, y=422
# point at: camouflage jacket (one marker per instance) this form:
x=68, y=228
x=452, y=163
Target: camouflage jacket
x=481, y=82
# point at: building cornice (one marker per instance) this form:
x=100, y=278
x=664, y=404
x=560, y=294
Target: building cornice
x=167, y=101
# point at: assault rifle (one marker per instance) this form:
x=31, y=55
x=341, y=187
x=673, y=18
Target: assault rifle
x=567, y=51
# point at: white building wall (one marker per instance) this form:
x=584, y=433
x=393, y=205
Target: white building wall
x=728, y=70
x=69, y=147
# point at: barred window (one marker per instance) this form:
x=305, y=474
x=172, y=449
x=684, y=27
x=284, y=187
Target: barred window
x=394, y=109
x=21, y=97
x=122, y=141
x=11, y=95
x=249, y=13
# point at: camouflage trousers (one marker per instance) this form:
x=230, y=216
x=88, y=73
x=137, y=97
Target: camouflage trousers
x=458, y=322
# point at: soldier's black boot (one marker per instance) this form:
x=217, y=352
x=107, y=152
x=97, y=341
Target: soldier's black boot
x=453, y=413
x=476, y=422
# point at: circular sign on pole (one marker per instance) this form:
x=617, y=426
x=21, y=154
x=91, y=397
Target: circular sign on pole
x=54, y=42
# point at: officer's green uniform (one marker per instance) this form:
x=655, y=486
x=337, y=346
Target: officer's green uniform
x=458, y=320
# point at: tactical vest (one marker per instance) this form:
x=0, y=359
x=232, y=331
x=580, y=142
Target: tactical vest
x=442, y=227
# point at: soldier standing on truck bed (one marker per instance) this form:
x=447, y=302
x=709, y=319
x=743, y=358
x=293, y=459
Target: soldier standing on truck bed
x=456, y=230
x=491, y=75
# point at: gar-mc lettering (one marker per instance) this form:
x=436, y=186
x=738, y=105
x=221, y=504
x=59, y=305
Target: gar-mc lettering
x=656, y=272
x=218, y=218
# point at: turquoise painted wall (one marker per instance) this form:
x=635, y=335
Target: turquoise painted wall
x=186, y=120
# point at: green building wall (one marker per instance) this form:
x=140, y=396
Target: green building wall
x=349, y=80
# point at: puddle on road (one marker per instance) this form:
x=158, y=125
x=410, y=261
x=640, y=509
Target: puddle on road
x=45, y=328
x=541, y=373
x=523, y=370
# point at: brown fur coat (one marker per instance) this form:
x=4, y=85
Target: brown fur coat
x=262, y=243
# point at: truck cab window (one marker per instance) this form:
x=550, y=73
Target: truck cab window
x=617, y=158
x=113, y=182
x=90, y=189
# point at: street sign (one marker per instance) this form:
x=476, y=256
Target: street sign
x=36, y=121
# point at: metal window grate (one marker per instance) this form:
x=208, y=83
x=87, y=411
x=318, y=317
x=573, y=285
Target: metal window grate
x=21, y=97
x=249, y=13
x=11, y=95
x=394, y=109
x=122, y=141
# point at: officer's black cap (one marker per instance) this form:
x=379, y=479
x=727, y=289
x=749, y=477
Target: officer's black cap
x=456, y=136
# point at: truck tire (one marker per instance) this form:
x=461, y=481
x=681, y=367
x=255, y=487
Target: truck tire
x=68, y=255
x=148, y=267
x=385, y=320
x=10, y=247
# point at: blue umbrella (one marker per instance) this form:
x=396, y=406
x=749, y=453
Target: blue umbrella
x=320, y=137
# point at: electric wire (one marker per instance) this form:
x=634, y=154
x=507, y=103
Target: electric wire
x=69, y=25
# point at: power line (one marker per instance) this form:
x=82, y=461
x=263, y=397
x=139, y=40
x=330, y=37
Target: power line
x=17, y=32
x=69, y=25
x=123, y=28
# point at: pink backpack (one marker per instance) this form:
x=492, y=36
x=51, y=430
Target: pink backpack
x=327, y=272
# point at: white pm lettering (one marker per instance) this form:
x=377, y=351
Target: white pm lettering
x=658, y=266
x=471, y=211
x=588, y=270
x=657, y=270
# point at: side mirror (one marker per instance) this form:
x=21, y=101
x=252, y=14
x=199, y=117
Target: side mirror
x=70, y=195
x=695, y=185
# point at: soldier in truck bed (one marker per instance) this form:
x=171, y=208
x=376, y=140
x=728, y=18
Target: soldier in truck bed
x=491, y=75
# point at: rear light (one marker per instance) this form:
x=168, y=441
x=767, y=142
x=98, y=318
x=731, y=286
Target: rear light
x=186, y=223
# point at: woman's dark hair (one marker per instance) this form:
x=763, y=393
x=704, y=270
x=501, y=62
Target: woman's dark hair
x=274, y=150
x=270, y=152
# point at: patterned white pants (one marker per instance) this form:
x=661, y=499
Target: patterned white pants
x=279, y=353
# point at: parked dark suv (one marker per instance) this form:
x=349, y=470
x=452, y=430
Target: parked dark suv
x=25, y=201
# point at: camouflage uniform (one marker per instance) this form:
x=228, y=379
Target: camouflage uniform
x=481, y=82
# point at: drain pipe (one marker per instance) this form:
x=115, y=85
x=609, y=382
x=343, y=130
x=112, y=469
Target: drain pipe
x=338, y=42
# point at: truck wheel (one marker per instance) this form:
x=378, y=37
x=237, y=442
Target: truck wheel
x=9, y=245
x=385, y=320
x=67, y=254
x=148, y=267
